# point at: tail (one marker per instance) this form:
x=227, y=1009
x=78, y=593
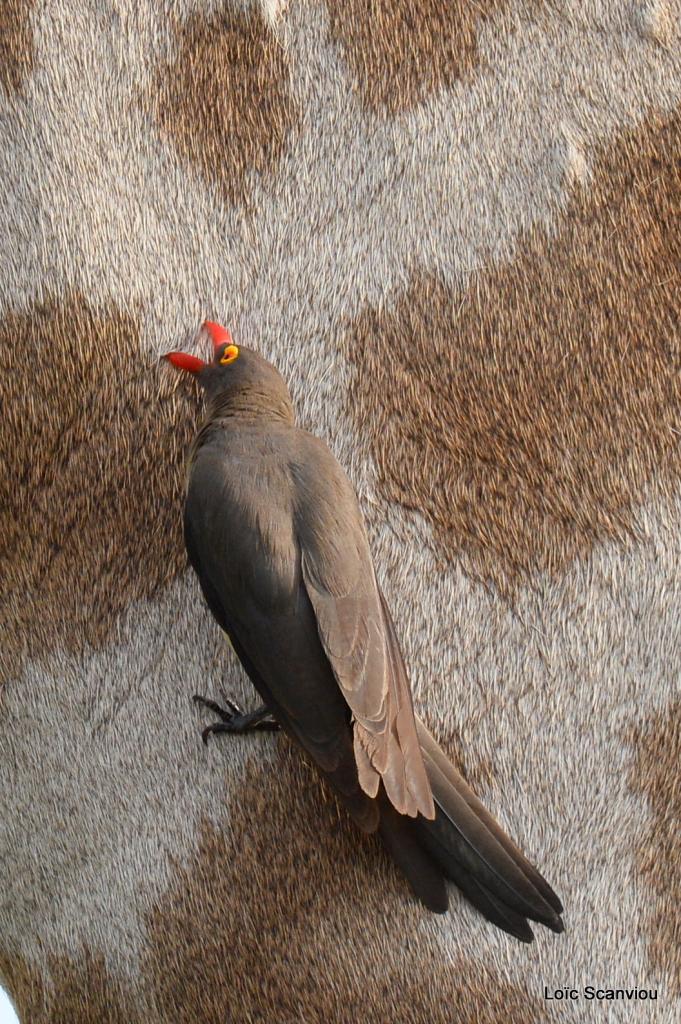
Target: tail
x=466, y=845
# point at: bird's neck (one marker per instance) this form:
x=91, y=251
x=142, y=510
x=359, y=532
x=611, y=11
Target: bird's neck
x=250, y=406
x=221, y=417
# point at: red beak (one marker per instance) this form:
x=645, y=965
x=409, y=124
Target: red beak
x=183, y=361
x=219, y=335
x=192, y=364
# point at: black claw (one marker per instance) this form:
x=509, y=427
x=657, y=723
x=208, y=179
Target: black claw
x=225, y=716
x=267, y=725
x=235, y=720
x=235, y=708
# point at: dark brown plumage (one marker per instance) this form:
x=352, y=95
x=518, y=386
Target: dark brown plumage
x=274, y=531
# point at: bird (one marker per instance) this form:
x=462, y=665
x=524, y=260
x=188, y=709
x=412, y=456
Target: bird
x=276, y=536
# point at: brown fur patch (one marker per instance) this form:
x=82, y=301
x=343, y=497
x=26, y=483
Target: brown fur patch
x=91, y=487
x=400, y=52
x=304, y=919
x=656, y=774
x=16, y=43
x=76, y=992
x=525, y=417
x=479, y=772
x=225, y=101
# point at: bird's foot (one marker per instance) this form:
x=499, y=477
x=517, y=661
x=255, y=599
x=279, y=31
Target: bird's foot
x=234, y=719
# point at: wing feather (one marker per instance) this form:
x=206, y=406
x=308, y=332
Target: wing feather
x=359, y=639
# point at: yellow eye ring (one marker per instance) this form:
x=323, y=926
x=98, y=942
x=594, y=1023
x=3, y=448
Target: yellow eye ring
x=229, y=355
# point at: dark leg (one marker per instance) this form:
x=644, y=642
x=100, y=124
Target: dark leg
x=234, y=719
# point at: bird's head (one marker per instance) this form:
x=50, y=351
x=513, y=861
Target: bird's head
x=236, y=375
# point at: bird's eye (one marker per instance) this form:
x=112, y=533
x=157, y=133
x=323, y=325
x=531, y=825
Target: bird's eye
x=229, y=355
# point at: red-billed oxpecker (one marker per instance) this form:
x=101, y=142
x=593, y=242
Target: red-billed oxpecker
x=274, y=531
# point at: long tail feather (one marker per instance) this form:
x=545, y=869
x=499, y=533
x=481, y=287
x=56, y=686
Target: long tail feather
x=434, y=755
x=465, y=844
x=412, y=858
